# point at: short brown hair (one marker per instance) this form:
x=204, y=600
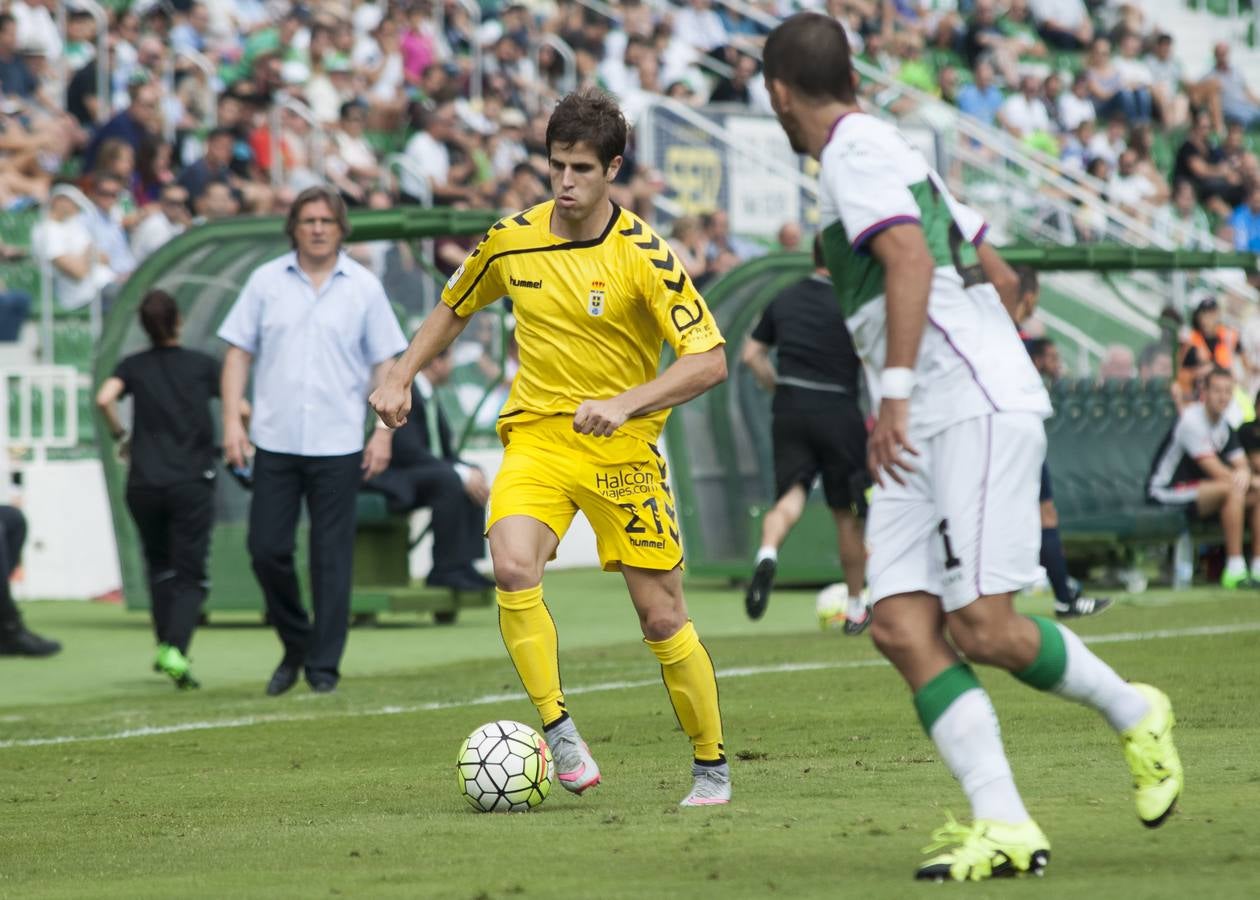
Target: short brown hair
x=809, y=52
x=589, y=116
x=314, y=194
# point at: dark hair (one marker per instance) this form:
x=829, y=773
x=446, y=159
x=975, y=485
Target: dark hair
x=1028, y=282
x=1037, y=347
x=6, y=19
x=592, y=117
x=159, y=316
x=314, y=194
x=809, y=52
x=819, y=262
x=1219, y=372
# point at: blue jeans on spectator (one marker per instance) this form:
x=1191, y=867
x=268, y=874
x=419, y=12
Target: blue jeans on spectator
x=15, y=306
x=1136, y=105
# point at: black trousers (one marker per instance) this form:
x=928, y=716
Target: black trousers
x=458, y=522
x=175, y=524
x=12, y=537
x=329, y=484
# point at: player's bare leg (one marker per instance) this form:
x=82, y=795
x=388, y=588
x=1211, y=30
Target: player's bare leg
x=520, y=547
x=776, y=525
x=687, y=672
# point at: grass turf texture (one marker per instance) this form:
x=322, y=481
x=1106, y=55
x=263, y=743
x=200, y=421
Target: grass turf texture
x=836, y=787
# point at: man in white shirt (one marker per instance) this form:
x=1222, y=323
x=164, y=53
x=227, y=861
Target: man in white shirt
x=170, y=219
x=956, y=451
x=80, y=269
x=1130, y=188
x=700, y=26
x=429, y=156
x=1076, y=106
x=1024, y=114
x=1063, y=24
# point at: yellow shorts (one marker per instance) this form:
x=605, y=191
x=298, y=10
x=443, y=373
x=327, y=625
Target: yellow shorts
x=621, y=483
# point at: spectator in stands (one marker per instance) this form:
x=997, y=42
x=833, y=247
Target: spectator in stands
x=1155, y=362
x=1217, y=183
x=171, y=218
x=1169, y=89
x=171, y=453
x=1182, y=223
x=726, y=250
x=108, y=234
x=1106, y=86
x=215, y=165
x=16, y=79
x=1075, y=106
x=700, y=26
x=1238, y=101
x=141, y=118
x=1024, y=115
x=1135, y=80
x=986, y=39
x=789, y=237
x=308, y=423
x=80, y=269
x=691, y=243
x=1063, y=24
x=1209, y=344
x=217, y=201
x=1118, y=364
x=15, y=638
x=425, y=471
x=1201, y=467
x=1045, y=357
x=353, y=168
x=429, y=153
x=736, y=89
x=1245, y=222
x=1130, y=189
x=982, y=98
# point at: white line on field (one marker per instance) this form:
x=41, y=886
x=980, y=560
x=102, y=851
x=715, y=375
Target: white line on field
x=487, y=699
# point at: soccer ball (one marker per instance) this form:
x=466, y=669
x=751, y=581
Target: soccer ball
x=831, y=604
x=504, y=767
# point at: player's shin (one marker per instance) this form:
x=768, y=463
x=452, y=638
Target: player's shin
x=957, y=715
x=1065, y=666
x=687, y=671
x=529, y=633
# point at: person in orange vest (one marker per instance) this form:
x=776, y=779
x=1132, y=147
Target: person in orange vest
x=1210, y=344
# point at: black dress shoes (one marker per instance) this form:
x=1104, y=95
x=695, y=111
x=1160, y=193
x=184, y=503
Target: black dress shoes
x=282, y=679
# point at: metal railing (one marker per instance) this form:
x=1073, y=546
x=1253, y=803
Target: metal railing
x=317, y=140
x=104, y=104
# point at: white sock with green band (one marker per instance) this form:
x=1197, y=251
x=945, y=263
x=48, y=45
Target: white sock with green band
x=1065, y=666
x=956, y=713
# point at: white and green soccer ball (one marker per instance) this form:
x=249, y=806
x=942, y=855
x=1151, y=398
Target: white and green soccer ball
x=830, y=605
x=504, y=766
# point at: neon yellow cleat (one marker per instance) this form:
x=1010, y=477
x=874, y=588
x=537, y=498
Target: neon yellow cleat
x=1153, y=760
x=985, y=850
x=1237, y=581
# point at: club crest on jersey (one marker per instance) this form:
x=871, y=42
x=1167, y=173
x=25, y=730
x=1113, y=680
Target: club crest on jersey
x=595, y=300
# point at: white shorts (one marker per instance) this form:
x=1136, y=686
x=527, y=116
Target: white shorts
x=967, y=522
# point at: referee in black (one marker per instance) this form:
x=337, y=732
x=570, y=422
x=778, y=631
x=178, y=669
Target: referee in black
x=170, y=483
x=817, y=429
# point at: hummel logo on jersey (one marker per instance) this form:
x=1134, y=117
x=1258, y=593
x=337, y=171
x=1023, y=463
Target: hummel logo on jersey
x=525, y=283
x=595, y=300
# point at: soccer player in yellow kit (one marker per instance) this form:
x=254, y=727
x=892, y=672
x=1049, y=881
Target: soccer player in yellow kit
x=595, y=293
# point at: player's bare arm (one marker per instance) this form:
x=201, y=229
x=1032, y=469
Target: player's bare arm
x=756, y=356
x=908, y=267
x=688, y=377
x=1001, y=276
x=392, y=399
x=236, y=446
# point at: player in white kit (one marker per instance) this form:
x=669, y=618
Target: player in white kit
x=954, y=527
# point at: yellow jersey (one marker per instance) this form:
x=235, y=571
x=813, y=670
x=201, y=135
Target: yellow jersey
x=591, y=316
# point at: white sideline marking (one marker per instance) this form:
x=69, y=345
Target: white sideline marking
x=1120, y=637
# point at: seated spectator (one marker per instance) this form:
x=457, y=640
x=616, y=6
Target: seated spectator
x=1169, y=90
x=736, y=89
x=141, y=118
x=700, y=26
x=982, y=98
x=1217, y=184
x=1118, y=364
x=726, y=250
x=1155, y=362
x=1024, y=115
x=1045, y=357
x=214, y=166
x=1063, y=24
x=80, y=269
x=789, y=237
x=352, y=169
x=1245, y=222
x=1201, y=467
x=217, y=201
x=1182, y=223
x=691, y=244
x=986, y=39
x=105, y=223
x=16, y=79
x=1210, y=344
x=15, y=638
x=1021, y=32
x=429, y=153
x=171, y=218
x=1106, y=86
x=1130, y=189
x=424, y=471
x=1239, y=102
x=1135, y=80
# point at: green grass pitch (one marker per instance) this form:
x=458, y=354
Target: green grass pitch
x=113, y=784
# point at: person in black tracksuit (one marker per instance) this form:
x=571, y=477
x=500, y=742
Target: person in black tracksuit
x=171, y=481
x=15, y=638
x=818, y=429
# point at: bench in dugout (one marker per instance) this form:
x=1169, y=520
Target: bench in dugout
x=382, y=577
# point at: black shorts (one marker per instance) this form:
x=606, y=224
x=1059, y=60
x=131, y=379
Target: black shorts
x=1047, y=492
x=829, y=442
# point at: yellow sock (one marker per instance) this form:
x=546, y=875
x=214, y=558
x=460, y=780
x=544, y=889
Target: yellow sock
x=529, y=633
x=688, y=674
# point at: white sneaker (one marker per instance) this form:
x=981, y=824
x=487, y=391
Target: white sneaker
x=711, y=787
x=576, y=769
